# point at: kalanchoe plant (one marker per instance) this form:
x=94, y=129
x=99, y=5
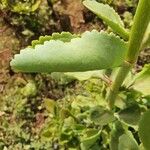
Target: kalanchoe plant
x=96, y=51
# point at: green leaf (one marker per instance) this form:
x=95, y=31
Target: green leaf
x=50, y=106
x=92, y=51
x=91, y=137
x=30, y=89
x=64, y=36
x=142, y=81
x=62, y=78
x=101, y=116
x=130, y=115
x=81, y=76
x=50, y=130
x=108, y=14
x=82, y=101
x=144, y=130
x=141, y=147
x=68, y=77
x=127, y=142
x=116, y=132
x=22, y=7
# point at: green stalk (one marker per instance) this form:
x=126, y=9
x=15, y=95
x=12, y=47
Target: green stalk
x=141, y=20
x=121, y=75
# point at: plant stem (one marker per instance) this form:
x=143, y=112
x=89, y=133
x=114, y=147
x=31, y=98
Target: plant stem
x=141, y=20
x=122, y=73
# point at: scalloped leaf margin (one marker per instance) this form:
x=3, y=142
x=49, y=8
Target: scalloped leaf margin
x=108, y=14
x=64, y=36
x=92, y=51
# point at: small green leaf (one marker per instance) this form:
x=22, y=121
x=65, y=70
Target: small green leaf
x=109, y=15
x=36, y=5
x=83, y=101
x=127, y=142
x=22, y=7
x=68, y=77
x=92, y=51
x=50, y=131
x=130, y=115
x=62, y=78
x=144, y=130
x=81, y=76
x=116, y=132
x=142, y=81
x=101, y=116
x=91, y=137
x=50, y=106
x=30, y=89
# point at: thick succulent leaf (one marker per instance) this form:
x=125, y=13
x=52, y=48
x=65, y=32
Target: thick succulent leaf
x=127, y=142
x=142, y=81
x=108, y=14
x=64, y=36
x=92, y=51
x=144, y=130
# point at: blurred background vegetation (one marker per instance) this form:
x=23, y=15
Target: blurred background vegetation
x=37, y=109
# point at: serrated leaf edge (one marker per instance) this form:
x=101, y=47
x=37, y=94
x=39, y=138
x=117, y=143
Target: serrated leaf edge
x=121, y=24
x=42, y=39
x=111, y=34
